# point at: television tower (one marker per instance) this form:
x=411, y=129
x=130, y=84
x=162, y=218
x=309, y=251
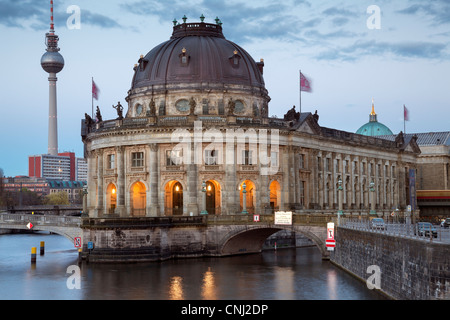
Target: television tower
x=52, y=62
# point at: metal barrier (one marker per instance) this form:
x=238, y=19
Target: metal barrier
x=405, y=230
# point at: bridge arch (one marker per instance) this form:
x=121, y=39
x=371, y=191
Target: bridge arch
x=247, y=239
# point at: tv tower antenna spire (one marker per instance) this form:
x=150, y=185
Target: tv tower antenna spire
x=52, y=62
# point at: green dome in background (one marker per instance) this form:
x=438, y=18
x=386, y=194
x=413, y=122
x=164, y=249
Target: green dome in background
x=373, y=127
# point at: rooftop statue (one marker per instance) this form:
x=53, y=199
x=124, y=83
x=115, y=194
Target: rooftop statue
x=119, y=109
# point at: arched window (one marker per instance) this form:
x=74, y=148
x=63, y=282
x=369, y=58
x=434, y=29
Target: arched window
x=138, y=196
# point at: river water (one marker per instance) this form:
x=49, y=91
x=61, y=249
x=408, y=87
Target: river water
x=287, y=274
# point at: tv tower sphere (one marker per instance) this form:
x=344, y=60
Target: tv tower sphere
x=52, y=62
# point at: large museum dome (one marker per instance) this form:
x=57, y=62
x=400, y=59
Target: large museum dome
x=197, y=71
x=373, y=127
x=198, y=52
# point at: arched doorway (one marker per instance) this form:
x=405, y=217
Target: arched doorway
x=213, y=197
x=138, y=199
x=250, y=203
x=173, y=203
x=275, y=195
x=111, y=198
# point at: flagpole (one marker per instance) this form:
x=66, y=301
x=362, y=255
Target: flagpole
x=300, y=83
x=92, y=96
x=404, y=119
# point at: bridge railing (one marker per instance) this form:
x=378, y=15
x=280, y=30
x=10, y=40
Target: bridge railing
x=24, y=219
x=269, y=219
x=98, y=223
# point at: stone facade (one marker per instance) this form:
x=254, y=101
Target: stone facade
x=308, y=162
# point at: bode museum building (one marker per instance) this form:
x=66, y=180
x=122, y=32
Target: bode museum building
x=196, y=139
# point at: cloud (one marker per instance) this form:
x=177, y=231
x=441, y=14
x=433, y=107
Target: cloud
x=409, y=50
x=13, y=13
x=262, y=20
x=30, y=13
x=438, y=10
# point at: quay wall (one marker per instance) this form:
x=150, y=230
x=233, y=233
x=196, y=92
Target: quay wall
x=410, y=269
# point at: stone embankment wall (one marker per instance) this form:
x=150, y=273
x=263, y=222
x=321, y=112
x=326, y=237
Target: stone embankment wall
x=410, y=269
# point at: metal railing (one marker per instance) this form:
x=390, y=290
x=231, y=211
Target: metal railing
x=139, y=222
x=48, y=220
x=404, y=230
x=269, y=219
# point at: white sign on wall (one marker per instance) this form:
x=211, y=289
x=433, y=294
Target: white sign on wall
x=283, y=218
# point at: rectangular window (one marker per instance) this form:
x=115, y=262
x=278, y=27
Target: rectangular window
x=302, y=192
x=137, y=159
x=247, y=157
x=274, y=159
x=302, y=161
x=111, y=161
x=174, y=157
x=211, y=157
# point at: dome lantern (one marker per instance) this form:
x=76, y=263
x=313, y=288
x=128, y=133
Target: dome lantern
x=373, y=127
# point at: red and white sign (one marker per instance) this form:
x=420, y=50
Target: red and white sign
x=256, y=218
x=30, y=225
x=330, y=230
x=77, y=242
x=330, y=243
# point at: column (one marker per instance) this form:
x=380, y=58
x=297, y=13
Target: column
x=153, y=184
x=120, y=151
x=100, y=197
x=231, y=191
x=91, y=183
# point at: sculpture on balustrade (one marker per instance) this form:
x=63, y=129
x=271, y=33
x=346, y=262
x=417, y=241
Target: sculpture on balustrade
x=192, y=105
x=292, y=115
x=98, y=115
x=231, y=107
x=88, y=120
x=152, y=111
x=119, y=109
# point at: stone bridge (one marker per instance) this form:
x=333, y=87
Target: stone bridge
x=161, y=238
x=66, y=226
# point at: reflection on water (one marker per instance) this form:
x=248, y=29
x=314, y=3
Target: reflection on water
x=332, y=283
x=176, y=288
x=286, y=274
x=209, y=286
x=284, y=283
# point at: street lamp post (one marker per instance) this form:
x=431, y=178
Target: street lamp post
x=340, y=211
x=244, y=199
x=204, y=198
x=372, y=198
x=85, y=193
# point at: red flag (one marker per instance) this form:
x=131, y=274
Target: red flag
x=305, y=84
x=405, y=113
x=95, y=90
